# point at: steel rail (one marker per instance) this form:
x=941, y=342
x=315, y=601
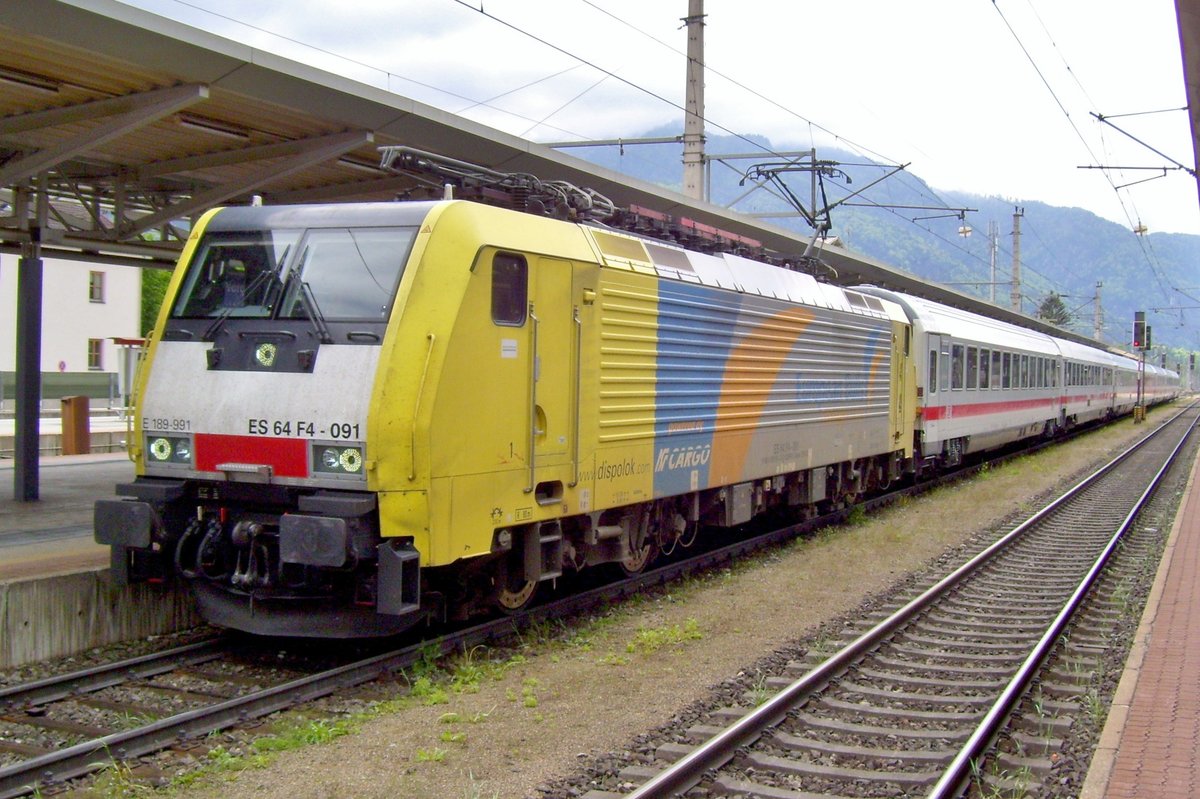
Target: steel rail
x=959, y=770
x=59, y=687
x=719, y=749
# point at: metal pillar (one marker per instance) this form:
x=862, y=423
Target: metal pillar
x=29, y=368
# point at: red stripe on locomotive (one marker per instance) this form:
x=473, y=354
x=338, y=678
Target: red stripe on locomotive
x=287, y=457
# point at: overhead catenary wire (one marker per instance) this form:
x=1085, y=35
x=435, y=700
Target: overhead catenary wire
x=1156, y=269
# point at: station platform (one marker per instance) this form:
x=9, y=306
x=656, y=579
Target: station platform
x=53, y=534
x=57, y=596
x=1150, y=746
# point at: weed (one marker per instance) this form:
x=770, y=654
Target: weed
x=1122, y=596
x=1095, y=706
x=313, y=732
x=429, y=692
x=449, y=718
x=647, y=640
x=613, y=659
x=528, y=695
x=480, y=717
x=116, y=781
x=451, y=737
x=434, y=755
x=538, y=632
x=427, y=666
x=476, y=792
x=761, y=692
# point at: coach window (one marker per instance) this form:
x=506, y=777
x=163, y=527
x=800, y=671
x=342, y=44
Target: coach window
x=944, y=368
x=972, y=367
x=958, y=357
x=1023, y=381
x=984, y=356
x=996, y=371
x=510, y=289
x=1007, y=380
x=1041, y=372
x=933, y=371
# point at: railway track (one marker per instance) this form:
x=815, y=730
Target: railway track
x=206, y=693
x=917, y=701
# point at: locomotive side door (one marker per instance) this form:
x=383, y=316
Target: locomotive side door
x=553, y=383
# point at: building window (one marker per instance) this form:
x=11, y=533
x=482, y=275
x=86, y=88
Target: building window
x=95, y=354
x=96, y=286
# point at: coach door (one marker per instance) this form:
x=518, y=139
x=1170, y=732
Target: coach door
x=554, y=377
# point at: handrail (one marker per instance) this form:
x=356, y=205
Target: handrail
x=533, y=378
x=412, y=473
x=575, y=409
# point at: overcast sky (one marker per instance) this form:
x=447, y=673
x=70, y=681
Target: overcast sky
x=994, y=98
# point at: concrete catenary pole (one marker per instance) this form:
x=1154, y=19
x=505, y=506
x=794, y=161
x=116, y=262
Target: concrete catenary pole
x=693, y=119
x=1016, y=262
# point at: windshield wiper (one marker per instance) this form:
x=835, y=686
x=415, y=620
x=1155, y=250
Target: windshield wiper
x=267, y=274
x=210, y=332
x=309, y=303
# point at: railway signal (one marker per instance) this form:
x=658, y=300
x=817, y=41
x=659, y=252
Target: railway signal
x=1139, y=330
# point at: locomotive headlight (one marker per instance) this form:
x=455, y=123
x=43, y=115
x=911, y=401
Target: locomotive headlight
x=330, y=459
x=176, y=450
x=351, y=459
x=161, y=449
x=338, y=460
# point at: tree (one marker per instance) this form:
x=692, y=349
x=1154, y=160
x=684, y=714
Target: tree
x=1053, y=310
x=154, y=289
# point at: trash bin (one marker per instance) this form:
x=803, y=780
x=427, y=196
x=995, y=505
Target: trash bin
x=76, y=431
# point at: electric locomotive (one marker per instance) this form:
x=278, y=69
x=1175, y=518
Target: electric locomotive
x=355, y=417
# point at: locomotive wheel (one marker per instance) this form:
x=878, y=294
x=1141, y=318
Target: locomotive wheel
x=636, y=562
x=514, y=601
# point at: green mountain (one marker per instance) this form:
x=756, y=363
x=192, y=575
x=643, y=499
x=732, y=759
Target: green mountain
x=1066, y=251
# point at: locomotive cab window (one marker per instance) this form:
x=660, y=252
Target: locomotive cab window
x=348, y=273
x=235, y=274
x=510, y=289
x=338, y=274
